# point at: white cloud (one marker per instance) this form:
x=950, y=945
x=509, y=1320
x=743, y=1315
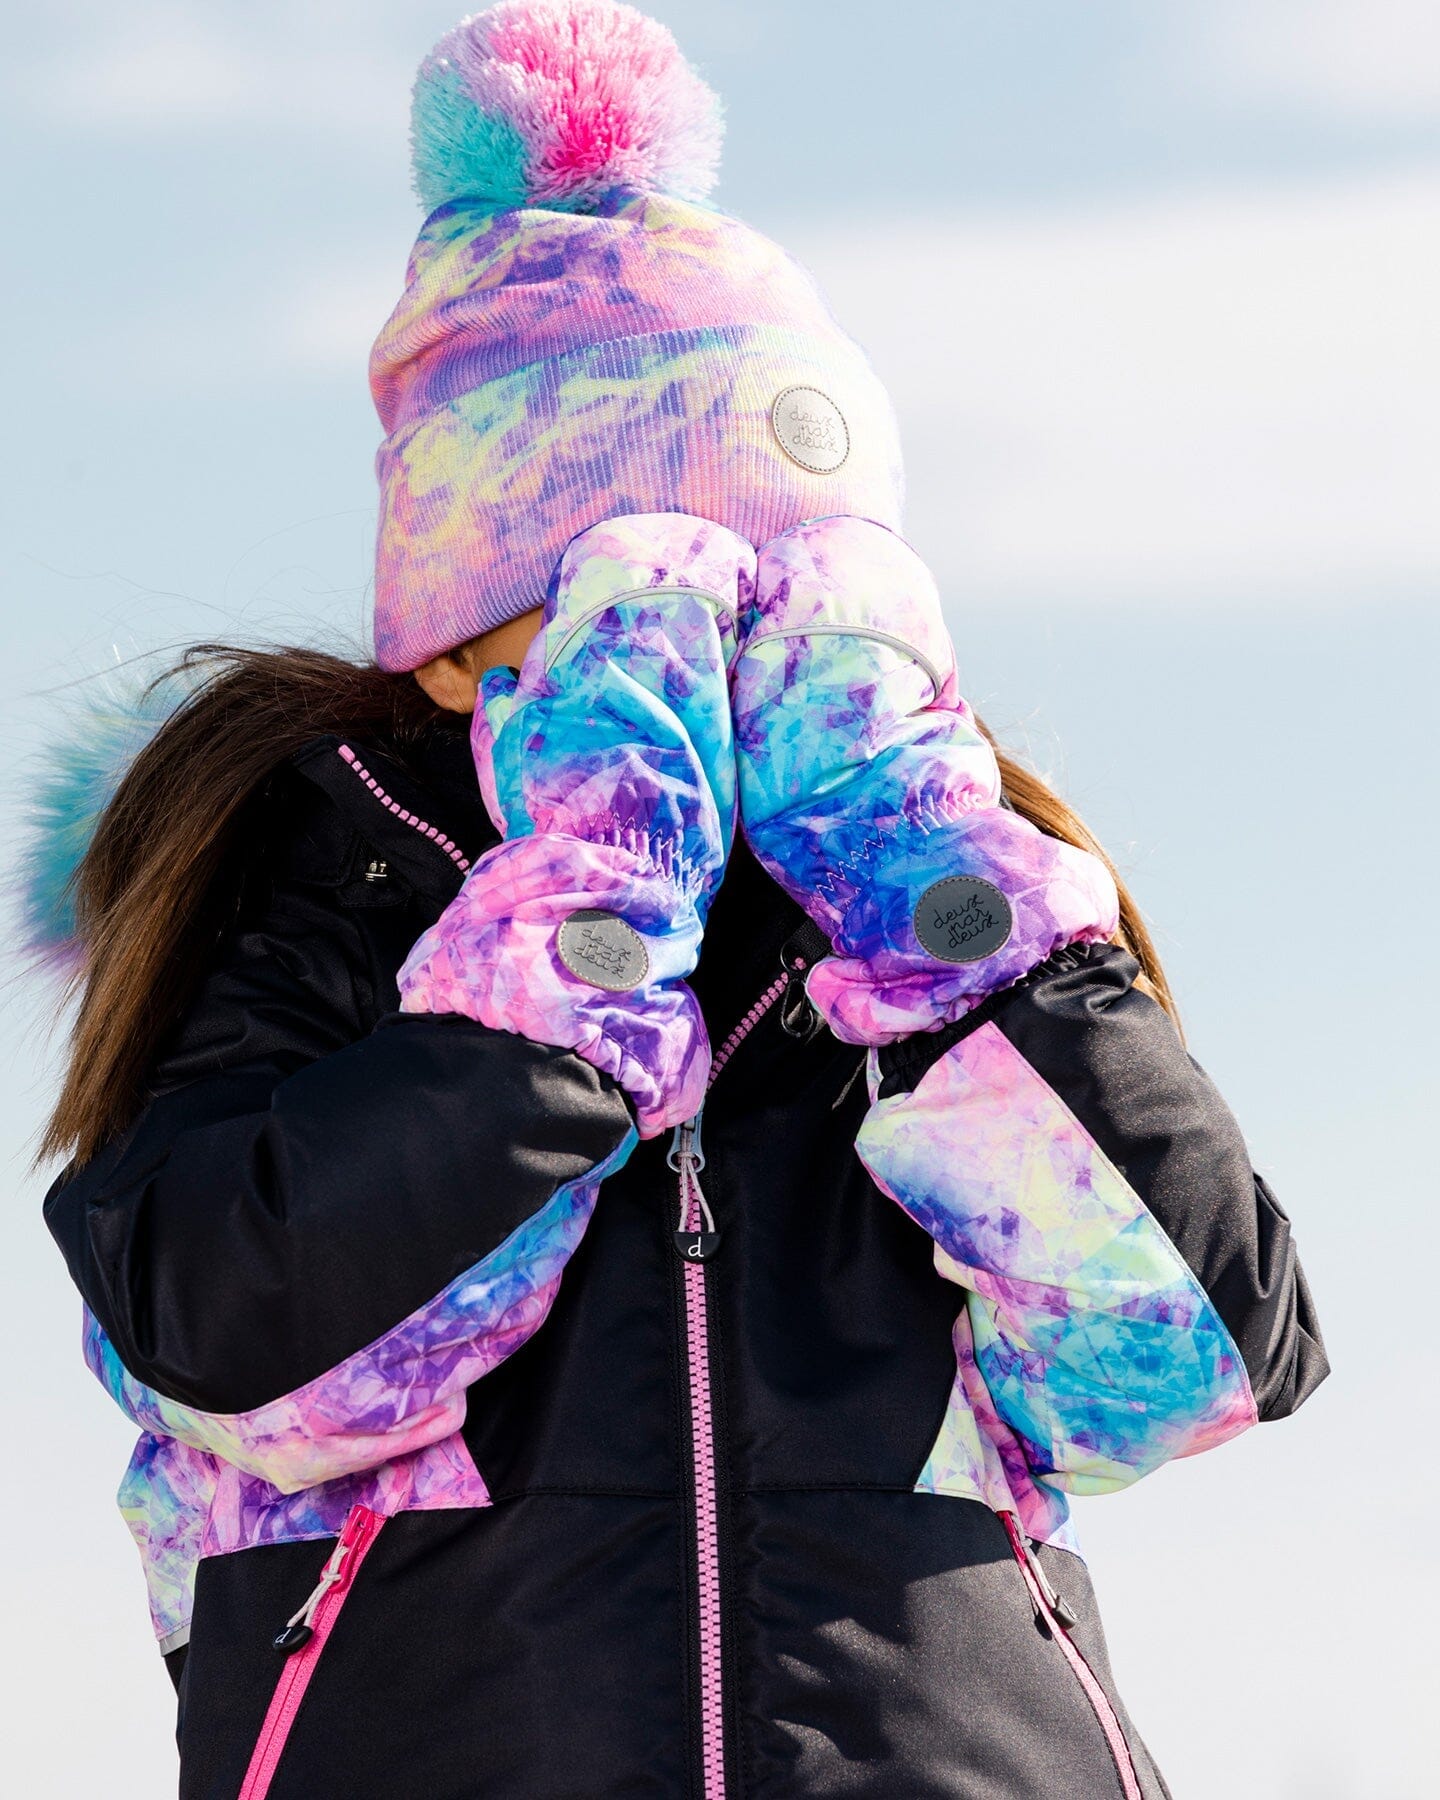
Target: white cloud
x=1202, y=400
x=1372, y=57
x=155, y=83
x=1196, y=399
x=165, y=66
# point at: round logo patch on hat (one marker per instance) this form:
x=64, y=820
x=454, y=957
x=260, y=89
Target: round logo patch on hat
x=810, y=428
x=962, y=919
x=602, y=949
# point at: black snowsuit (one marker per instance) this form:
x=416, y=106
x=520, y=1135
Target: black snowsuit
x=312, y=1168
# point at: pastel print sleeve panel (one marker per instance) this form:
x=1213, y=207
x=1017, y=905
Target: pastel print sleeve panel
x=305, y=1250
x=1116, y=1061
x=1132, y=1295
x=399, y=1394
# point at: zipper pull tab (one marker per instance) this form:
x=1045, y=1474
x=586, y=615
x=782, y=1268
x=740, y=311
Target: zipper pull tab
x=300, y=1627
x=1060, y=1607
x=687, y=1158
x=798, y=956
x=685, y=1145
x=696, y=1246
x=1056, y=1610
x=798, y=1018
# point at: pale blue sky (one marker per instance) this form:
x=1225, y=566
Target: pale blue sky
x=1154, y=285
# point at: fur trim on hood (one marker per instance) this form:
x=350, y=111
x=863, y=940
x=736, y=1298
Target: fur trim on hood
x=76, y=777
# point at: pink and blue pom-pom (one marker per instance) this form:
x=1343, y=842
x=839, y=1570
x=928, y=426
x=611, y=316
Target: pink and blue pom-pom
x=555, y=103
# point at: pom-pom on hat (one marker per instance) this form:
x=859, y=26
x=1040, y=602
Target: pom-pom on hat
x=581, y=336
x=555, y=105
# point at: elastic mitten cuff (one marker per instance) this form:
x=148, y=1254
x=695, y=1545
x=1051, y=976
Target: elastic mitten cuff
x=498, y=955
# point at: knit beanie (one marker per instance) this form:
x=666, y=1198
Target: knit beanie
x=582, y=337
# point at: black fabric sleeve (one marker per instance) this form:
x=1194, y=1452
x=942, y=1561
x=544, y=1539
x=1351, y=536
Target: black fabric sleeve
x=300, y=1184
x=1116, y=1060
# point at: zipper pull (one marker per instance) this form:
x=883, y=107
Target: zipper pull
x=687, y=1158
x=685, y=1142
x=798, y=955
x=300, y=1627
x=1056, y=1610
x=1065, y=1614
x=798, y=1018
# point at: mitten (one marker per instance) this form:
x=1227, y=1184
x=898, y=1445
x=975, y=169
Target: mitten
x=607, y=761
x=869, y=794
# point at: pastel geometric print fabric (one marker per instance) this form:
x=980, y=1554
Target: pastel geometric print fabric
x=380, y=1426
x=402, y=1392
x=183, y=1504
x=1088, y=1354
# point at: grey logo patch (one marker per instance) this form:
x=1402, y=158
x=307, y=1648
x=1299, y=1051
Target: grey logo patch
x=962, y=919
x=603, y=950
x=811, y=429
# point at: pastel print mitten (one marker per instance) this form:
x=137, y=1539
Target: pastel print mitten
x=608, y=762
x=869, y=794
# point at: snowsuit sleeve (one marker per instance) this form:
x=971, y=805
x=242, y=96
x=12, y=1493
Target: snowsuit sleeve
x=1132, y=1285
x=317, y=1236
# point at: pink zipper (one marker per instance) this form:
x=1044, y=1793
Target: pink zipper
x=707, y=1524
x=316, y=1619
x=1058, y=1619
x=436, y=836
x=695, y=1240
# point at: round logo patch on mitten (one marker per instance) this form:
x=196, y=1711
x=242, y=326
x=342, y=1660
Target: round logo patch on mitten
x=962, y=919
x=599, y=947
x=811, y=429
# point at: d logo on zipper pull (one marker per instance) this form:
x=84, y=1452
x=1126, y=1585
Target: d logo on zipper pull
x=298, y=1630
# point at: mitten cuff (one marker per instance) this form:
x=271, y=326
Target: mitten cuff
x=951, y=915
x=579, y=945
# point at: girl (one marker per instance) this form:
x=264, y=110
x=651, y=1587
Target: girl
x=506, y=1432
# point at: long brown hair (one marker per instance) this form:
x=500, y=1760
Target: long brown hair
x=150, y=897
x=156, y=887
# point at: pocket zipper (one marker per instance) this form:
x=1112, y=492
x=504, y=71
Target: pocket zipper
x=1057, y=1619
x=302, y=1640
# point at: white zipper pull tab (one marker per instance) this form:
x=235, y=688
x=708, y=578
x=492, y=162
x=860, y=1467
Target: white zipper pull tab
x=1056, y=1601
x=300, y=1626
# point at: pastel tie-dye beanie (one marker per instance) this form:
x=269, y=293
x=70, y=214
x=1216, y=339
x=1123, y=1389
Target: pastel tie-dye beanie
x=581, y=337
